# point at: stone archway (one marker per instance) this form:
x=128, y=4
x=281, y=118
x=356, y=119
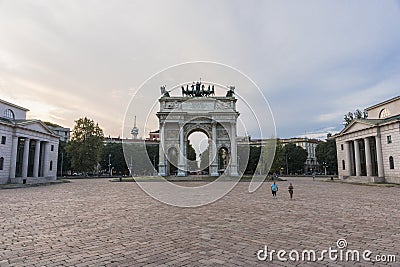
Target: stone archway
x=216, y=116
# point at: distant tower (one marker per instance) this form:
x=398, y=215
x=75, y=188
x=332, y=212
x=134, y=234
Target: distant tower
x=135, y=131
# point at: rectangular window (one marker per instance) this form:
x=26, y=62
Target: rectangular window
x=1, y=163
x=341, y=146
x=3, y=140
x=52, y=148
x=343, y=165
x=389, y=139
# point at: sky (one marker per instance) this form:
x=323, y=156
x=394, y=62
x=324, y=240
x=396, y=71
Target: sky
x=313, y=60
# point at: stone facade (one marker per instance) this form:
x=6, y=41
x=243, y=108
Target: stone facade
x=369, y=149
x=214, y=116
x=28, y=148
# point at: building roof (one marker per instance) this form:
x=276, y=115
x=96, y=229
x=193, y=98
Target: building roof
x=13, y=105
x=383, y=103
x=371, y=122
x=380, y=121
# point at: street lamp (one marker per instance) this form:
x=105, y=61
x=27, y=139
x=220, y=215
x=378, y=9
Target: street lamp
x=325, y=166
x=287, y=164
x=109, y=164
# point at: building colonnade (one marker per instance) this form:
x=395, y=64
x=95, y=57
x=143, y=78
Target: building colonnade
x=363, y=157
x=30, y=157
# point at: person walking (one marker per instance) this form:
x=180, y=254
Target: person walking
x=290, y=188
x=274, y=189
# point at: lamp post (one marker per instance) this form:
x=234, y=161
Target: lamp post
x=109, y=164
x=287, y=164
x=325, y=166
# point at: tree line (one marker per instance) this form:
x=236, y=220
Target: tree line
x=87, y=154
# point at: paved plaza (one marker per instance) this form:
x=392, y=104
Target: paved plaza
x=97, y=222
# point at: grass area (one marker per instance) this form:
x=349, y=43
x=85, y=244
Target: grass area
x=15, y=186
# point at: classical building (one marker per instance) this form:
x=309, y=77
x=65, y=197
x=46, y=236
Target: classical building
x=309, y=145
x=369, y=149
x=28, y=148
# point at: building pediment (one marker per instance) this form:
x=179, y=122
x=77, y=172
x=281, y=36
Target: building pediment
x=35, y=125
x=357, y=125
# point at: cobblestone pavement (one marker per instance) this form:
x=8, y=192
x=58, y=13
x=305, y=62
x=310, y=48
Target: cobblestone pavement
x=97, y=222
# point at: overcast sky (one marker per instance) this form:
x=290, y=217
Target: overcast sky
x=313, y=60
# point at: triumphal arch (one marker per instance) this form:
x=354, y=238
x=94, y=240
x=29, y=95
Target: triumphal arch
x=198, y=109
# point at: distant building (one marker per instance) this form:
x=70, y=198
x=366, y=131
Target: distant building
x=63, y=133
x=28, y=148
x=309, y=145
x=369, y=149
x=154, y=136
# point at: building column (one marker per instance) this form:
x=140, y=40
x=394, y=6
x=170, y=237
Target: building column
x=14, y=149
x=357, y=157
x=233, y=155
x=368, y=161
x=348, y=166
x=379, y=156
x=25, y=158
x=181, y=159
x=45, y=164
x=161, y=160
x=213, y=169
x=36, y=161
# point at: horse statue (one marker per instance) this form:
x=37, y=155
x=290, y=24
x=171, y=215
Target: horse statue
x=164, y=92
x=231, y=91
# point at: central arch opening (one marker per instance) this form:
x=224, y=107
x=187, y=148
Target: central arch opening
x=198, y=143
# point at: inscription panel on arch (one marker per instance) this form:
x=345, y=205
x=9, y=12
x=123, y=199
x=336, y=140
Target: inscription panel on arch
x=198, y=106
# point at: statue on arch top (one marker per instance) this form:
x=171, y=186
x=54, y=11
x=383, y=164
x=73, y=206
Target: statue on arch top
x=231, y=91
x=164, y=92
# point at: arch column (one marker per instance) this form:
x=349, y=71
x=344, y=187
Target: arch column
x=213, y=150
x=181, y=159
x=233, y=154
x=161, y=161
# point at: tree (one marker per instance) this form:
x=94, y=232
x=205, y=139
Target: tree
x=205, y=160
x=296, y=157
x=144, y=157
x=86, y=145
x=326, y=153
x=253, y=158
x=279, y=162
x=191, y=157
x=117, y=159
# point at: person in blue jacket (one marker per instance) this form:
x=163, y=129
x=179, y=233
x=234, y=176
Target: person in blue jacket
x=274, y=189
